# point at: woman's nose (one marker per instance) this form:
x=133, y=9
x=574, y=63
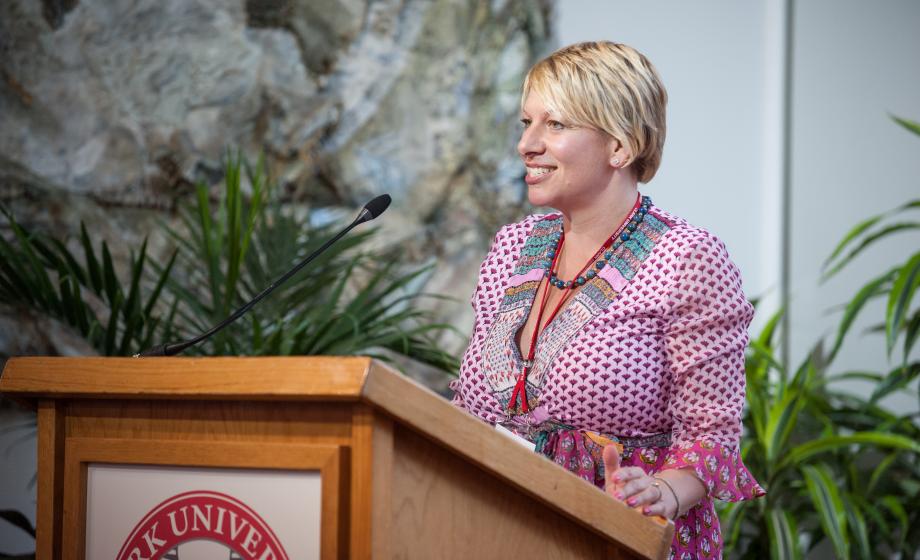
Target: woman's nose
x=531, y=142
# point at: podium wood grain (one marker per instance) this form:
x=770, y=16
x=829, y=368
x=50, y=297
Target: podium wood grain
x=418, y=478
x=542, y=480
x=48, y=508
x=488, y=519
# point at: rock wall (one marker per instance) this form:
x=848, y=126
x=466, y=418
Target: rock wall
x=111, y=109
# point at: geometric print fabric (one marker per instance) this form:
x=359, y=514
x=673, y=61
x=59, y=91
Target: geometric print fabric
x=654, y=344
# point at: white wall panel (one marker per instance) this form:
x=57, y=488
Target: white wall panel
x=855, y=63
x=720, y=62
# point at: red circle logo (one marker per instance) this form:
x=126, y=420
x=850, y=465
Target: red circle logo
x=202, y=515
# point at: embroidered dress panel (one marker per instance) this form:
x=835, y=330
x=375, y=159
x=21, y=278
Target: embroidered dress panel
x=502, y=359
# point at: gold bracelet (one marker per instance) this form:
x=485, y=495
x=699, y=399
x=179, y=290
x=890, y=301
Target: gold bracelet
x=676, y=499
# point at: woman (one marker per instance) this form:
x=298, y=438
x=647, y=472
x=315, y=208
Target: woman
x=611, y=325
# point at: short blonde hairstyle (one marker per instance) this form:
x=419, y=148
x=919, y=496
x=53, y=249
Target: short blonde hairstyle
x=609, y=87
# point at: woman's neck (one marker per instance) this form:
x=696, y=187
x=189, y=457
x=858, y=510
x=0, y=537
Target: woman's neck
x=594, y=223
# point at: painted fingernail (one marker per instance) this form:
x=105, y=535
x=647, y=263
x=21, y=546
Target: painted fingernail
x=631, y=501
x=618, y=495
x=617, y=478
x=646, y=511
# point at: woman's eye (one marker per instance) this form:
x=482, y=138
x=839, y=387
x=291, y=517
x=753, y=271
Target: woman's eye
x=555, y=125
x=525, y=123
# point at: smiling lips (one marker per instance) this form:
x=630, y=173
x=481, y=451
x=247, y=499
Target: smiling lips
x=536, y=174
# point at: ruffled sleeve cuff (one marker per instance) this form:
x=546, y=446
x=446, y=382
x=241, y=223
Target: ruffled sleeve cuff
x=719, y=467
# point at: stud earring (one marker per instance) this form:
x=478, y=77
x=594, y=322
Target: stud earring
x=615, y=162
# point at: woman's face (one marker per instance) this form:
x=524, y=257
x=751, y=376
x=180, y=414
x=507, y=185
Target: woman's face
x=567, y=166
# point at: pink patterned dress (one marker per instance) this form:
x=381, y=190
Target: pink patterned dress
x=649, y=353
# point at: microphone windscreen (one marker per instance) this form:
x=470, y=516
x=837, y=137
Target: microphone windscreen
x=377, y=206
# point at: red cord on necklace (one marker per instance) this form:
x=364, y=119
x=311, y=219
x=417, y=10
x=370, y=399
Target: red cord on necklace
x=520, y=387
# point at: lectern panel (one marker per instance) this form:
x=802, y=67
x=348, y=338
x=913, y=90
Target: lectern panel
x=441, y=504
x=135, y=512
x=281, y=470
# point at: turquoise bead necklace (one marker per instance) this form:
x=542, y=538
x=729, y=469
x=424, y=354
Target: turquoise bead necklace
x=604, y=255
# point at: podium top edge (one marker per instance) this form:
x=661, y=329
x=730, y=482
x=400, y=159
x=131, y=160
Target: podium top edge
x=225, y=377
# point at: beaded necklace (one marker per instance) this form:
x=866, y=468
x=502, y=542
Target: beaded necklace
x=621, y=235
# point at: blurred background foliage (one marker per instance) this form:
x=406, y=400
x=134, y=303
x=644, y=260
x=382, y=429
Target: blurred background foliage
x=358, y=298
x=840, y=467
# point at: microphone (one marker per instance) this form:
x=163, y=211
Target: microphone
x=371, y=210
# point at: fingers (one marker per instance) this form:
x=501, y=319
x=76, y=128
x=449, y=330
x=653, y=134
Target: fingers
x=640, y=492
x=622, y=478
x=611, y=468
x=650, y=496
x=657, y=508
x=611, y=463
x=627, y=474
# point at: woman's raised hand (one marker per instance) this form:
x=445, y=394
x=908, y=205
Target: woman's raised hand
x=635, y=487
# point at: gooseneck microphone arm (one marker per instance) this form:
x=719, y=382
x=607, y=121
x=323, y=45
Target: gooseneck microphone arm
x=370, y=211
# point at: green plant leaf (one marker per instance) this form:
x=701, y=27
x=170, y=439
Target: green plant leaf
x=902, y=292
x=875, y=516
x=111, y=331
x=780, y=421
x=824, y=444
x=851, y=235
x=168, y=324
x=70, y=300
x=911, y=333
x=880, y=470
x=766, y=354
x=256, y=180
x=897, y=379
x=783, y=536
x=858, y=230
x=872, y=289
x=869, y=376
x=867, y=241
x=43, y=292
x=69, y=265
x=207, y=241
x=858, y=527
x=894, y=506
x=908, y=124
x=110, y=286
x=17, y=519
x=733, y=517
x=12, y=278
x=131, y=311
x=93, y=270
x=161, y=282
x=827, y=502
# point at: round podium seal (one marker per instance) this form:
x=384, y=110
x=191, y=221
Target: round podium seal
x=199, y=521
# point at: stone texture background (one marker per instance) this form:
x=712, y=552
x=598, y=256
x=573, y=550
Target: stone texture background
x=110, y=110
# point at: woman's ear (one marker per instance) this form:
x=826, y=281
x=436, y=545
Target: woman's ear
x=619, y=155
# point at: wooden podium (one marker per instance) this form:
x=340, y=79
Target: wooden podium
x=404, y=474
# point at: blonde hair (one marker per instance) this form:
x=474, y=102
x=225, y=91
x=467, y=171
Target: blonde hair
x=609, y=87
